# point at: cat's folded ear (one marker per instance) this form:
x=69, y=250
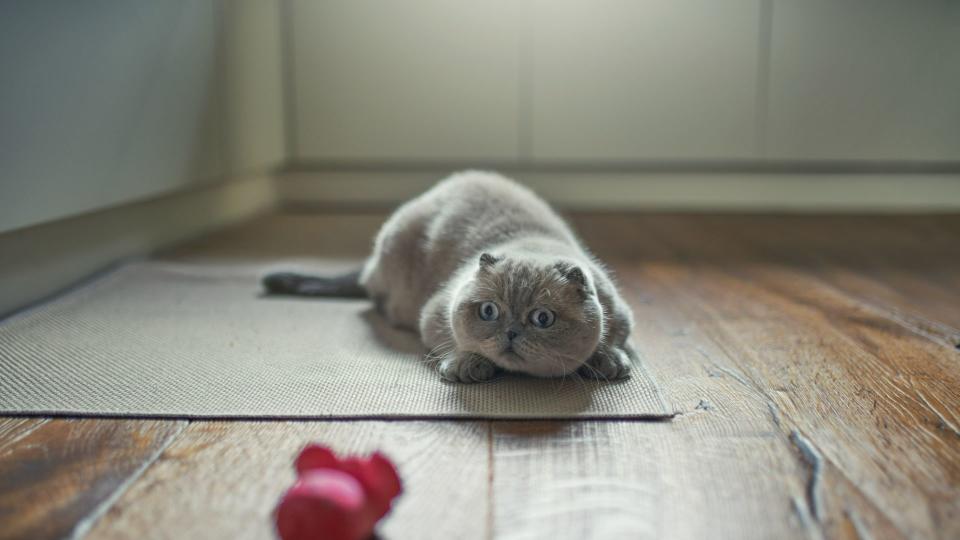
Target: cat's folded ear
x=487, y=260
x=572, y=273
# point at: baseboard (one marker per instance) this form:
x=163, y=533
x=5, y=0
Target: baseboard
x=38, y=261
x=660, y=191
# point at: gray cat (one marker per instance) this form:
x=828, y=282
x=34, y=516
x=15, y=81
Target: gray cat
x=492, y=279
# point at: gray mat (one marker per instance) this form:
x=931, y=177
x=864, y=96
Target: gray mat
x=189, y=340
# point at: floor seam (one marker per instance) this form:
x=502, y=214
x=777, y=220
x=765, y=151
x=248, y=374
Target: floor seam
x=26, y=433
x=490, y=480
x=86, y=523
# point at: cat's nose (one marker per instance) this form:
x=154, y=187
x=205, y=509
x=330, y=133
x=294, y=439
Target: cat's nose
x=511, y=334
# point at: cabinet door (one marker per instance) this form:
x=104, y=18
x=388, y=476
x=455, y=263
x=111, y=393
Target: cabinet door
x=105, y=103
x=631, y=80
x=865, y=79
x=425, y=80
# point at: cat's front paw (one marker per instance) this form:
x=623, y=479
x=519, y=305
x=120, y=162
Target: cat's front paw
x=467, y=368
x=608, y=363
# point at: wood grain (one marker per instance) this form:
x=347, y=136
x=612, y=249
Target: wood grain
x=222, y=479
x=862, y=402
x=688, y=479
x=838, y=404
x=55, y=475
x=905, y=265
x=869, y=403
x=13, y=430
x=724, y=468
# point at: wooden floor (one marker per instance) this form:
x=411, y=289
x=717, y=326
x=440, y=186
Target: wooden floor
x=814, y=360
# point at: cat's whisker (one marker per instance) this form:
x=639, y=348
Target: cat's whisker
x=596, y=373
x=439, y=353
x=575, y=375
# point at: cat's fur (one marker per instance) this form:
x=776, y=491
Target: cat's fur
x=478, y=237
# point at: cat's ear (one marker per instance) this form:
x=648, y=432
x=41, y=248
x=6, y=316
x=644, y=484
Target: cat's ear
x=487, y=260
x=573, y=273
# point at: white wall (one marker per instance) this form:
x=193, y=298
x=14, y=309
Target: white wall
x=624, y=81
x=112, y=101
x=615, y=80
x=254, y=129
x=865, y=79
x=405, y=80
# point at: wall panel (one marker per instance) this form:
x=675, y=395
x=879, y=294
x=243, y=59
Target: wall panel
x=626, y=80
x=425, y=80
x=865, y=80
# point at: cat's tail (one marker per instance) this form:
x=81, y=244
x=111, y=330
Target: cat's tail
x=290, y=284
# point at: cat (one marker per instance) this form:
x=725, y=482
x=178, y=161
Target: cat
x=493, y=280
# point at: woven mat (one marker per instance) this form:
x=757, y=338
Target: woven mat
x=174, y=339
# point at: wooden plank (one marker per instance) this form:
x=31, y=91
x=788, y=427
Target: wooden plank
x=14, y=429
x=223, y=479
x=857, y=420
x=56, y=476
x=723, y=468
x=905, y=265
x=869, y=403
x=686, y=479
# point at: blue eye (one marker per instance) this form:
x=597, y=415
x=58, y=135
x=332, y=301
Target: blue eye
x=542, y=318
x=489, y=311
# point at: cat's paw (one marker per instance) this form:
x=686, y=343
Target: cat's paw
x=608, y=363
x=467, y=368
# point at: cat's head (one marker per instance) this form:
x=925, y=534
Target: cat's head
x=536, y=315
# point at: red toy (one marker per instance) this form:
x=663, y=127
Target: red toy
x=336, y=499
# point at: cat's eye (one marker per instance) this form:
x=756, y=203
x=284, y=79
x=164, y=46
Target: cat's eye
x=542, y=318
x=489, y=311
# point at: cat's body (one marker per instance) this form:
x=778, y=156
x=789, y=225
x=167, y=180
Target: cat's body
x=492, y=278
